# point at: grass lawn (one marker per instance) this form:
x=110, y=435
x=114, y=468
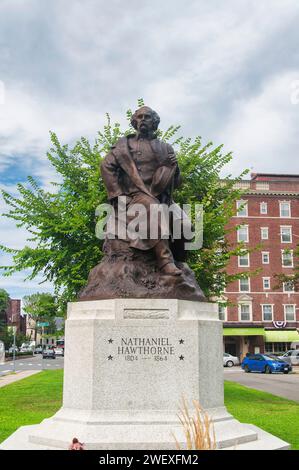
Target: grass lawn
x=35, y=398
x=29, y=401
x=269, y=412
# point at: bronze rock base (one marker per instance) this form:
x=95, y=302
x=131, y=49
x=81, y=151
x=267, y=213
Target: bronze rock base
x=130, y=273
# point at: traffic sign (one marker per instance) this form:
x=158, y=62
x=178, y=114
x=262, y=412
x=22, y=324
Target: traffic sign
x=42, y=323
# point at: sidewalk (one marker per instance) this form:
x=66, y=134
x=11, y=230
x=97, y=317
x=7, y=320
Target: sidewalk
x=10, y=378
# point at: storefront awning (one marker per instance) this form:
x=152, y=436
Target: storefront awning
x=281, y=336
x=244, y=332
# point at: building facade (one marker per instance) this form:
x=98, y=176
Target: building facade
x=14, y=317
x=43, y=339
x=260, y=315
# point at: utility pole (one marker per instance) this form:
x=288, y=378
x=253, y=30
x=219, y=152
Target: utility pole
x=14, y=348
x=43, y=332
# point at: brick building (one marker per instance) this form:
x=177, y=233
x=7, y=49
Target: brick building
x=14, y=317
x=261, y=317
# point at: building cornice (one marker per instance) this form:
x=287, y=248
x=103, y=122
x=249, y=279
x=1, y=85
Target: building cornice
x=257, y=192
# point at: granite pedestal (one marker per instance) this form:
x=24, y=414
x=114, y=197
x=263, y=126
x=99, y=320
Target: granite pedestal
x=128, y=364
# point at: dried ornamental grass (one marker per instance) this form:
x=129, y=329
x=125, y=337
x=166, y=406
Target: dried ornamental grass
x=198, y=429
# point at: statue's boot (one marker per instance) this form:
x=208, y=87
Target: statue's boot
x=165, y=259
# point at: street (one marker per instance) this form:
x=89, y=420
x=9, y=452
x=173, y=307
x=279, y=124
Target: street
x=32, y=363
x=286, y=386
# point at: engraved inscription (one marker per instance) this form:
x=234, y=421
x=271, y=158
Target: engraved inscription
x=146, y=346
x=140, y=313
x=140, y=348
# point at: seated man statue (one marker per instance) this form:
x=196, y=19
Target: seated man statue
x=144, y=169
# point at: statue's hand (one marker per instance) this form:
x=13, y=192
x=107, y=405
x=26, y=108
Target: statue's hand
x=172, y=158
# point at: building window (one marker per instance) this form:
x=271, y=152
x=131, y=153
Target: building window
x=286, y=234
x=242, y=208
x=287, y=258
x=243, y=260
x=244, y=284
x=267, y=312
x=243, y=233
x=288, y=287
x=266, y=283
x=222, y=312
x=263, y=208
x=264, y=233
x=289, y=312
x=277, y=347
x=285, y=209
x=265, y=257
x=244, y=312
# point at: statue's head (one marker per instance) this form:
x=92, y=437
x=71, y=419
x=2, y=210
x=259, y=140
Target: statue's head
x=145, y=120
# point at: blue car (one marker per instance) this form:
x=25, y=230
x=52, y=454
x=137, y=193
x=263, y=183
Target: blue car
x=265, y=363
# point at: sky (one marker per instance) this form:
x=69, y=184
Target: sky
x=228, y=71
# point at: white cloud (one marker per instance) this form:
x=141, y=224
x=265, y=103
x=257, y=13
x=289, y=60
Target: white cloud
x=263, y=130
x=221, y=69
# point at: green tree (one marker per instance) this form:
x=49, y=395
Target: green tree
x=6, y=335
x=41, y=307
x=4, y=300
x=21, y=338
x=62, y=221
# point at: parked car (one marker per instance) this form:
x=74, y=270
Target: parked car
x=59, y=352
x=49, y=353
x=38, y=350
x=229, y=360
x=10, y=351
x=26, y=349
x=265, y=363
x=291, y=357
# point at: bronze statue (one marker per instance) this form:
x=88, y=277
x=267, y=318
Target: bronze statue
x=144, y=170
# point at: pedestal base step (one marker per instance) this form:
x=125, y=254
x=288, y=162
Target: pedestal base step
x=53, y=434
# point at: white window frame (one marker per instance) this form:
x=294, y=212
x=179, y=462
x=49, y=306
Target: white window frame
x=272, y=312
x=263, y=204
x=250, y=311
x=265, y=253
x=291, y=234
x=249, y=287
x=247, y=233
x=242, y=202
x=285, y=313
x=280, y=209
x=264, y=228
x=287, y=291
x=225, y=311
x=292, y=255
x=269, y=279
x=243, y=265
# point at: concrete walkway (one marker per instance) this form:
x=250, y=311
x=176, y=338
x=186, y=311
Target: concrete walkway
x=10, y=378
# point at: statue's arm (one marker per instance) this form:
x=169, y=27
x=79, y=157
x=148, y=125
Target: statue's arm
x=110, y=174
x=177, y=179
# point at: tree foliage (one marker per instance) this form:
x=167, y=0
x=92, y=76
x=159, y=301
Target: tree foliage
x=41, y=307
x=291, y=279
x=4, y=300
x=62, y=222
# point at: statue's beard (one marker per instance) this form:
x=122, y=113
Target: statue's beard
x=144, y=130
